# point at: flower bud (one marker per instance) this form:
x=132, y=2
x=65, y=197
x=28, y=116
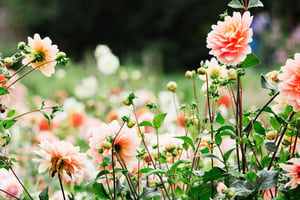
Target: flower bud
x=170, y=147
x=189, y=74
x=201, y=71
x=61, y=55
x=147, y=158
x=232, y=74
x=230, y=193
x=126, y=102
x=106, y=144
x=9, y=61
x=273, y=76
x=290, y=127
x=130, y=123
x=271, y=135
x=172, y=86
x=21, y=45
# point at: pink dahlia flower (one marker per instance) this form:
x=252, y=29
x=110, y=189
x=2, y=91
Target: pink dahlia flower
x=290, y=85
x=229, y=39
x=42, y=55
x=294, y=171
x=60, y=156
x=125, y=144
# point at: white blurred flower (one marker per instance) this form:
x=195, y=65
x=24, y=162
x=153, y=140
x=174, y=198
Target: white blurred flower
x=214, y=70
x=136, y=75
x=71, y=104
x=87, y=87
x=101, y=50
x=108, y=63
x=61, y=73
x=123, y=75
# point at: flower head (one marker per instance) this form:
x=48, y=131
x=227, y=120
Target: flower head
x=290, y=85
x=42, y=54
x=294, y=171
x=229, y=39
x=60, y=156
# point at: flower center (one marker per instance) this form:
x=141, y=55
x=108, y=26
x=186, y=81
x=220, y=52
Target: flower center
x=117, y=147
x=39, y=56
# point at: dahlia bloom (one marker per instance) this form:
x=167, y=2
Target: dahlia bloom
x=60, y=156
x=42, y=55
x=125, y=143
x=294, y=171
x=9, y=184
x=229, y=39
x=289, y=87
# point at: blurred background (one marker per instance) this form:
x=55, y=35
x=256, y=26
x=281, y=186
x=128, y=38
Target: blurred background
x=162, y=35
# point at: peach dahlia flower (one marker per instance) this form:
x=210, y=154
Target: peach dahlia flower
x=294, y=171
x=290, y=85
x=45, y=51
x=60, y=156
x=229, y=39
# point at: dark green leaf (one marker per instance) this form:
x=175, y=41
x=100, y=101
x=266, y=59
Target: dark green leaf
x=242, y=189
x=279, y=119
x=8, y=123
x=266, y=179
x=258, y=127
x=227, y=154
x=100, y=191
x=3, y=90
x=213, y=174
x=218, y=140
x=178, y=191
x=10, y=113
x=250, y=175
x=208, y=155
x=255, y=3
x=200, y=192
x=158, y=120
x=44, y=194
x=176, y=164
x=274, y=123
x=258, y=140
x=235, y=4
x=187, y=140
x=250, y=61
x=155, y=171
x=270, y=145
x=146, y=123
x=47, y=117
x=220, y=119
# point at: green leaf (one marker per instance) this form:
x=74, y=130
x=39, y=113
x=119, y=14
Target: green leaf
x=250, y=175
x=258, y=127
x=155, y=171
x=242, y=189
x=250, y=61
x=178, y=191
x=8, y=123
x=146, y=123
x=187, y=140
x=47, y=117
x=144, y=170
x=158, y=120
x=208, y=155
x=235, y=4
x=220, y=119
x=150, y=193
x=258, y=140
x=218, y=140
x=10, y=113
x=265, y=83
x=255, y=3
x=100, y=191
x=274, y=123
x=213, y=174
x=3, y=90
x=44, y=194
x=227, y=154
x=270, y=145
x=200, y=192
x=266, y=179
x=279, y=119
x=176, y=164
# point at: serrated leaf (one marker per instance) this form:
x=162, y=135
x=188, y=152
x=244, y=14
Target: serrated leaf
x=235, y=4
x=213, y=174
x=250, y=61
x=187, y=140
x=158, y=120
x=44, y=194
x=270, y=145
x=255, y=3
x=100, y=191
x=146, y=123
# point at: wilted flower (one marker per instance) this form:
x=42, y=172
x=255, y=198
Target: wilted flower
x=59, y=157
x=229, y=39
x=42, y=54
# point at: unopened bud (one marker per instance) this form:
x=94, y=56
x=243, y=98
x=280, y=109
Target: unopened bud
x=126, y=102
x=21, y=45
x=201, y=71
x=106, y=144
x=9, y=61
x=61, y=55
x=189, y=74
x=232, y=74
x=130, y=123
x=170, y=147
x=172, y=86
x=290, y=127
x=153, y=184
x=271, y=135
x=230, y=193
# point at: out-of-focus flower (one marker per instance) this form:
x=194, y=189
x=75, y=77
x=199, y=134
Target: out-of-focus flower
x=273, y=76
x=42, y=54
x=59, y=157
x=77, y=118
x=9, y=184
x=108, y=64
x=101, y=50
x=44, y=125
x=229, y=39
x=125, y=144
x=225, y=98
x=87, y=87
x=289, y=87
x=294, y=172
x=269, y=194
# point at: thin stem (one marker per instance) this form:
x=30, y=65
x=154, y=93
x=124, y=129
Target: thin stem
x=195, y=94
x=106, y=177
x=20, y=69
x=61, y=186
x=294, y=147
x=8, y=194
x=36, y=110
x=158, y=153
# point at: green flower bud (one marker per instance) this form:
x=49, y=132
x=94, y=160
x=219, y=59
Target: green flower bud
x=21, y=45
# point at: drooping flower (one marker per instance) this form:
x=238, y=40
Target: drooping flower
x=125, y=144
x=294, y=172
x=59, y=157
x=290, y=85
x=42, y=54
x=229, y=39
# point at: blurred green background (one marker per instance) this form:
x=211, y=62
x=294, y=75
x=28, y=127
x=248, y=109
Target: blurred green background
x=169, y=33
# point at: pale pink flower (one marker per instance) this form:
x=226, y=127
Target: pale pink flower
x=229, y=39
x=9, y=184
x=294, y=172
x=125, y=144
x=220, y=187
x=46, y=52
x=289, y=87
x=60, y=156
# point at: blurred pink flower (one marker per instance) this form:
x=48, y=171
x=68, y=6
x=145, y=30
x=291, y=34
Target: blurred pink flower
x=44, y=51
x=125, y=144
x=229, y=39
x=9, y=184
x=294, y=171
x=60, y=156
x=289, y=87
x=268, y=194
